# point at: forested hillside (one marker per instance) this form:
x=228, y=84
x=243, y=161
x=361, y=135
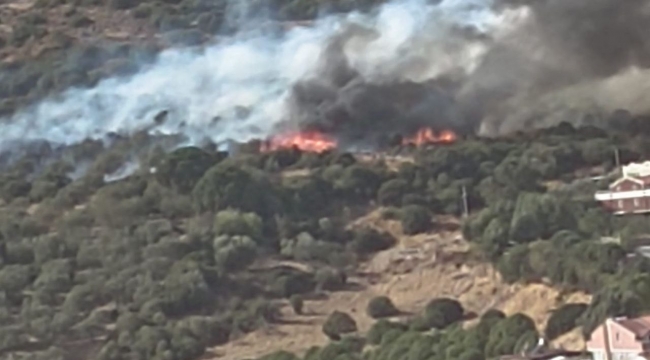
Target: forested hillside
x=156, y=265
x=137, y=245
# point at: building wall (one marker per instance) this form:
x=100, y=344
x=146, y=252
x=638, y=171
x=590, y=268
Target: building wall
x=623, y=343
x=630, y=204
x=623, y=340
x=628, y=185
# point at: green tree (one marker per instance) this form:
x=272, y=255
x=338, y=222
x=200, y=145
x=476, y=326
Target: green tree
x=368, y=240
x=233, y=253
x=237, y=186
x=392, y=191
x=232, y=222
x=442, y=312
x=504, y=336
x=564, y=320
x=415, y=219
x=182, y=168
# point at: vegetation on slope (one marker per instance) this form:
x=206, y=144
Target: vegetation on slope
x=48, y=46
x=157, y=265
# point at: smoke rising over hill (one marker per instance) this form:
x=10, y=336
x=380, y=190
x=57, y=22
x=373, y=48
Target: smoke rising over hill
x=468, y=65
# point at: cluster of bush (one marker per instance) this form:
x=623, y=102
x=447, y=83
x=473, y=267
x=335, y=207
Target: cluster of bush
x=167, y=252
x=436, y=334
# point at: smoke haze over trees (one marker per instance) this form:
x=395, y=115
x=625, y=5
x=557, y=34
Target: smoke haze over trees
x=465, y=65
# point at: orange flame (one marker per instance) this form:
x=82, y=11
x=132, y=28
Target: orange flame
x=310, y=141
x=428, y=136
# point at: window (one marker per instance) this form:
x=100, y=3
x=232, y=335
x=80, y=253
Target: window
x=618, y=336
x=636, y=202
x=620, y=204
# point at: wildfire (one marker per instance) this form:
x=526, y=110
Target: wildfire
x=428, y=136
x=310, y=141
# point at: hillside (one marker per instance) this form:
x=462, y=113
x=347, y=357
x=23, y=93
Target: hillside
x=199, y=253
x=130, y=229
x=418, y=268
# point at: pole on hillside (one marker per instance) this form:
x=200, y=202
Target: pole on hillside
x=465, y=203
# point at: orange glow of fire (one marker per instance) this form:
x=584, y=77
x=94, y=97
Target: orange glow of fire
x=309, y=141
x=428, y=136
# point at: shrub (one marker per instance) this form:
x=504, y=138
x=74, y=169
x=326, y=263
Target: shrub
x=234, y=253
x=493, y=314
x=440, y=313
x=123, y=4
x=471, y=354
x=391, y=213
x=415, y=219
x=297, y=303
x=504, y=335
x=381, y=327
x=287, y=285
x=337, y=324
x=391, y=192
x=79, y=21
x=380, y=307
x=143, y=11
x=182, y=168
x=564, y=320
x=280, y=355
x=232, y=222
x=368, y=241
x=331, y=280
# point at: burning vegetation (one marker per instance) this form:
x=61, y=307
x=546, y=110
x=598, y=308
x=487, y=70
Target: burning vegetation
x=426, y=136
x=319, y=142
x=308, y=141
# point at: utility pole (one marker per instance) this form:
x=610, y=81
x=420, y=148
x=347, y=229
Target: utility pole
x=465, y=203
x=617, y=159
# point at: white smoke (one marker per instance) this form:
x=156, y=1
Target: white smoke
x=237, y=88
x=122, y=172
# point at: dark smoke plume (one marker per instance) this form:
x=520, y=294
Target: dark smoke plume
x=468, y=65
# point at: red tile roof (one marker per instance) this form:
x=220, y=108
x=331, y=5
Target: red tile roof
x=639, y=326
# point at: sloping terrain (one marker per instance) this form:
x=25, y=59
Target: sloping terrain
x=417, y=270
x=30, y=28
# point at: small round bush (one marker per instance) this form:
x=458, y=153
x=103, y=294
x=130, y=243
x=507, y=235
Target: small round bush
x=330, y=280
x=337, y=324
x=368, y=241
x=123, y=4
x=440, y=313
x=381, y=307
x=415, y=219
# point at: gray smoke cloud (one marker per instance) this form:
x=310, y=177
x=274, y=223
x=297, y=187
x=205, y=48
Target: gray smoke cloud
x=468, y=65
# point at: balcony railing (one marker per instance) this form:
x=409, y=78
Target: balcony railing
x=620, y=195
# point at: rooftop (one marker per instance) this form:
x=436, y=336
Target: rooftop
x=640, y=326
x=637, y=169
